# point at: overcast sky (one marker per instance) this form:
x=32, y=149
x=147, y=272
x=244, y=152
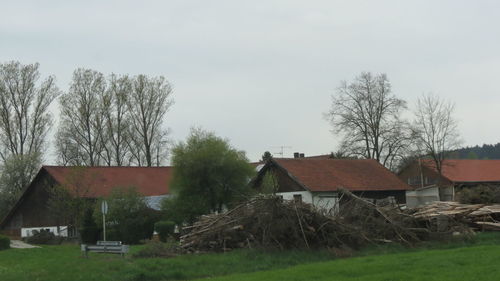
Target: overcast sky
x=261, y=73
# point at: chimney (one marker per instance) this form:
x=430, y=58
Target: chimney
x=301, y=155
x=296, y=155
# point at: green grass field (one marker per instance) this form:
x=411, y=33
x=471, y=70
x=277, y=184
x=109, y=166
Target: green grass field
x=472, y=263
x=478, y=259
x=54, y=263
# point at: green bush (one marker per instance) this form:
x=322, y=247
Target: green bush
x=482, y=194
x=164, y=229
x=4, y=242
x=89, y=230
x=158, y=249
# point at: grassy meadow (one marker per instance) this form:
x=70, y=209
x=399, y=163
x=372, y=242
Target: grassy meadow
x=479, y=263
x=475, y=259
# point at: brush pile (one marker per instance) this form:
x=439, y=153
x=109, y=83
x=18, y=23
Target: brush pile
x=270, y=222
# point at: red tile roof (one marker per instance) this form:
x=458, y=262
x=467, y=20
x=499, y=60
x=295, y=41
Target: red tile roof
x=467, y=170
x=149, y=181
x=332, y=174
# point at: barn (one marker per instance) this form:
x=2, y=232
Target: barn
x=430, y=185
x=32, y=211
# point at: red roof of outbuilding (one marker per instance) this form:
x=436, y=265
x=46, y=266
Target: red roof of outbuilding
x=351, y=174
x=99, y=181
x=468, y=170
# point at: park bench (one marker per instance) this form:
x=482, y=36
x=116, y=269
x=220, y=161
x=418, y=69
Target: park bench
x=112, y=247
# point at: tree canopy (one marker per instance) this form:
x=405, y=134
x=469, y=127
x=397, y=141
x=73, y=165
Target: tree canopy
x=208, y=175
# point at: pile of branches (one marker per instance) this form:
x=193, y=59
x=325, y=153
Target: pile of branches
x=271, y=222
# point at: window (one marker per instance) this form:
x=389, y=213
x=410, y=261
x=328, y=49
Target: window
x=297, y=198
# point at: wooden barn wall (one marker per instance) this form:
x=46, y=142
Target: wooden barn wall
x=33, y=211
x=285, y=183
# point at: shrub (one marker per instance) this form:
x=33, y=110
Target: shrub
x=164, y=229
x=156, y=249
x=44, y=237
x=4, y=242
x=483, y=194
x=89, y=230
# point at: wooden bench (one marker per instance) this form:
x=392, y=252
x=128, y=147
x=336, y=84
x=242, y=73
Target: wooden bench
x=112, y=247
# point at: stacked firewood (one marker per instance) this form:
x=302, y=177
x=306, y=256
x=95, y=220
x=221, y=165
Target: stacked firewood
x=271, y=222
x=476, y=216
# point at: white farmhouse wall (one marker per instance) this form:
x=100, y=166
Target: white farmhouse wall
x=306, y=196
x=327, y=201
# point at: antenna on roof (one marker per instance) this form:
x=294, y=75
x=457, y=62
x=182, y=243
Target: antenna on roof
x=282, y=149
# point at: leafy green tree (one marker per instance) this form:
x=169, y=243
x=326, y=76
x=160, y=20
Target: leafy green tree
x=269, y=183
x=209, y=174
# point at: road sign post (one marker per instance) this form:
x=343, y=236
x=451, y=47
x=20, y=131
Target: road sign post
x=104, y=210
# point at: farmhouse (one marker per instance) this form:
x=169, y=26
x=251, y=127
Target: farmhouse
x=32, y=211
x=317, y=180
x=456, y=174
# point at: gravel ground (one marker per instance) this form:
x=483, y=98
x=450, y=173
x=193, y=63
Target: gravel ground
x=18, y=244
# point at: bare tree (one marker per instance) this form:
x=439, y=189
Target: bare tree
x=24, y=109
x=117, y=121
x=17, y=171
x=437, y=130
x=25, y=120
x=367, y=114
x=148, y=103
x=81, y=128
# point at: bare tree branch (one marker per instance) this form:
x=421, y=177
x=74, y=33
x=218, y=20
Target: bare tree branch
x=437, y=130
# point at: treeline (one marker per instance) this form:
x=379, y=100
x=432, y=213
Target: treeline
x=115, y=120
x=486, y=151
x=104, y=120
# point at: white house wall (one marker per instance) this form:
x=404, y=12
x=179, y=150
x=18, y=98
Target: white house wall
x=323, y=200
x=306, y=196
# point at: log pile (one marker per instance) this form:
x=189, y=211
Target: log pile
x=475, y=216
x=270, y=222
